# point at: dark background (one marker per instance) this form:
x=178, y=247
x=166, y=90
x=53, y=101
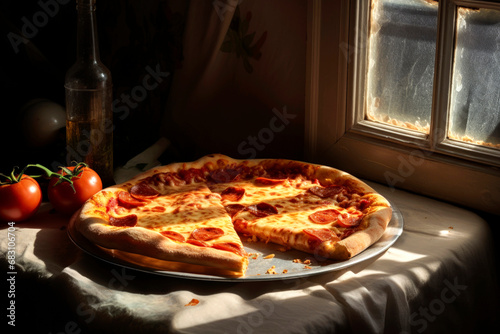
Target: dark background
x=36, y=70
x=260, y=75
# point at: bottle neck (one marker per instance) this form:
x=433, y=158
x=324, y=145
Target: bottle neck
x=87, y=43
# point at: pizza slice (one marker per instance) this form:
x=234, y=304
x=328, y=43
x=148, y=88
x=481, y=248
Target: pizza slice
x=332, y=221
x=184, y=224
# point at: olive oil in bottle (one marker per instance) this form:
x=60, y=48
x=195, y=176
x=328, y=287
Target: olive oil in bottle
x=88, y=85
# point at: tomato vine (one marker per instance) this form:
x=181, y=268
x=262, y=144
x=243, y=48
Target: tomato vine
x=67, y=176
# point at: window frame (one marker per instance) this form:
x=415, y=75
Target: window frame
x=442, y=90
x=336, y=133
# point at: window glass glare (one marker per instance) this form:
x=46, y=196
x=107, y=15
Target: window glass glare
x=475, y=95
x=401, y=62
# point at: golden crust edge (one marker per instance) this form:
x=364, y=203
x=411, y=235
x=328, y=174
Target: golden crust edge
x=138, y=240
x=325, y=174
x=357, y=242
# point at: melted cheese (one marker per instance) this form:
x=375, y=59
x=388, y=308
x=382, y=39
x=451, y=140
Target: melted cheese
x=194, y=207
x=293, y=202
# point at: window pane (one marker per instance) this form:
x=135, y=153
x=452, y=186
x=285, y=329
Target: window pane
x=401, y=62
x=475, y=97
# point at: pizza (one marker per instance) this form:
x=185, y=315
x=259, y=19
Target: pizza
x=196, y=216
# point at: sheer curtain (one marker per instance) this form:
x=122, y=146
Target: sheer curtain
x=203, y=72
x=241, y=88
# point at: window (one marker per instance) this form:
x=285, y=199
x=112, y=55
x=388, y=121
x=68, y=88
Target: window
x=400, y=63
x=475, y=94
x=417, y=103
x=455, y=106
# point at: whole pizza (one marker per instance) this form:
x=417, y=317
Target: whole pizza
x=196, y=216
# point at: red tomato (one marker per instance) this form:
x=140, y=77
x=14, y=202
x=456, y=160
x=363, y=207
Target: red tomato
x=66, y=200
x=20, y=200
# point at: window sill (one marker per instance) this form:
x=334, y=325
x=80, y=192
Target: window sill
x=430, y=174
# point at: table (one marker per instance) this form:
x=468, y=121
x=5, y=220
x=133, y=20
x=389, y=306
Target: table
x=439, y=276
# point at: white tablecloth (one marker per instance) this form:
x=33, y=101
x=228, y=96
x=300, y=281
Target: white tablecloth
x=438, y=277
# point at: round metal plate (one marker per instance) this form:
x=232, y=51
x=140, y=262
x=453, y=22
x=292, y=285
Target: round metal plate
x=286, y=264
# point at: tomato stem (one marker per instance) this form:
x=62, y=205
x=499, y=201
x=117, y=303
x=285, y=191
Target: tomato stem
x=66, y=176
x=13, y=178
x=48, y=173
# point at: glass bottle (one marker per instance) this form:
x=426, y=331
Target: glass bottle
x=88, y=86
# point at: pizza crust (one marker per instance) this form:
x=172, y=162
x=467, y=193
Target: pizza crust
x=345, y=249
x=149, y=243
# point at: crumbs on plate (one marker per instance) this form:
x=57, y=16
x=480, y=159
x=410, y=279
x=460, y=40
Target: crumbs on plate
x=271, y=271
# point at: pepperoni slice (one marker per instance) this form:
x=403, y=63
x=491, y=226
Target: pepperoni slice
x=173, y=235
x=230, y=247
x=325, y=192
x=191, y=175
x=363, y=204
x=127, y=201
x=321, y=234
x=198, y=243
x=158, y=209
x=324, y=216
x=262, y=209
x=206, y=233
x=112, y=205
x=233, y=209
x=264, y=181
x=224, y=175
x=126, y=221
x=143, y=191
x=349, y=220
x=233, y=194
